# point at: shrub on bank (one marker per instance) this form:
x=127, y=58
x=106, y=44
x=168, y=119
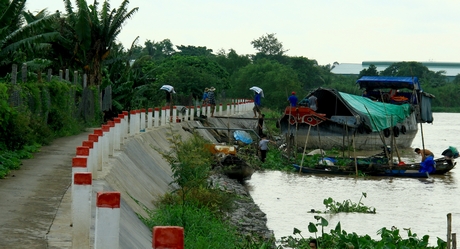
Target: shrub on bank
x=31, y=115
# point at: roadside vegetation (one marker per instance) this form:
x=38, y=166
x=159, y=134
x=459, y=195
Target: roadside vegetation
x=194, y=205
x=339, y=238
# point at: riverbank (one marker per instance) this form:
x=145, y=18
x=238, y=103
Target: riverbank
x=35, y=200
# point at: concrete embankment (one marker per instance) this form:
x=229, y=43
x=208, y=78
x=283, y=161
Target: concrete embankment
x=139, y=172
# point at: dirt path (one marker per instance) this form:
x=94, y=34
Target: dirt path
x=30, y=197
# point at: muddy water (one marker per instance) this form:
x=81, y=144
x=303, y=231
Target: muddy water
x=419, y=204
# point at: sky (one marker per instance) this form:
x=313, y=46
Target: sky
x=328, y=31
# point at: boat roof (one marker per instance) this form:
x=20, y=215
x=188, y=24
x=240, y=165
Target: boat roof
x=377, y=82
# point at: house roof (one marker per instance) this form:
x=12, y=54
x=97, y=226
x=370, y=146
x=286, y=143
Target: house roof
x=451, y=68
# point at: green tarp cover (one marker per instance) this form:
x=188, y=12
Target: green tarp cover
x=382, y=115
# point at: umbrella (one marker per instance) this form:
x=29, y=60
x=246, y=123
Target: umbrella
x=168, y=88
x=257, y=90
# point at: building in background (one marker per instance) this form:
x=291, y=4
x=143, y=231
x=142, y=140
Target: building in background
x=451, y=69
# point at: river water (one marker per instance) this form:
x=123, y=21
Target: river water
x=419, y=204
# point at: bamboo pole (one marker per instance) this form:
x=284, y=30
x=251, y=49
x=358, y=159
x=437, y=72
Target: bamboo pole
x=304, y=148
x=449, y=230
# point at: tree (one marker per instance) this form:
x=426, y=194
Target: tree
x=268, y=45
x=194, y=51
x=91, y=33
x=232, y=62
x=20, y=42
x=275, y=79
x=371, y=71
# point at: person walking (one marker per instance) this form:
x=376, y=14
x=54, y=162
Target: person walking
x=256, y=107
x=212, y=100
x=293, y=100
x=263, y=147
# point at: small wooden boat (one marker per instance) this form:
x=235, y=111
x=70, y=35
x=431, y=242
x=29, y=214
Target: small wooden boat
x=442, y=166
x=227, y=161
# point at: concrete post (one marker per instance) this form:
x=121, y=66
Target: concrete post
x=150, y=118
x=198, y=111
x=117, y=134
x=107, y=225
x=163, y=116
x=208, y=109
x=79, y=164
x=156, y=119
x=187, y=110
x=132, y=122
x=228, y=110
x=142, y=120
x=105, y=143
x=192, y=112
x=91, y=153
x=220, y=109
x=111, y=136
x=168, y=237
x=138, y=122
x=168, y=115
x=81, y=210
x=126, y=130
x=97, y=152
x=122, y=128
x=174, y=117
x=203, y=110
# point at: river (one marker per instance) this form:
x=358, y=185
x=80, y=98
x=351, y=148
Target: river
x=419, y=204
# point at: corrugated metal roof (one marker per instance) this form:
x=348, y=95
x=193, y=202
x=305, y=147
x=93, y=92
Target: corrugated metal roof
x=452, y=69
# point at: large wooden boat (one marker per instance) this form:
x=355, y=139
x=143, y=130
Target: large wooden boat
x=391, y=107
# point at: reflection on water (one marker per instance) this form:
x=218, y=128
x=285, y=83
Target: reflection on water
x=418, y=204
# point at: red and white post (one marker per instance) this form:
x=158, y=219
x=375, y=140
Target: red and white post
x=163, y=116
x=156, y=119
x=117, y=134
x=100, y=150
x=105, y=143
x=81, y=209
x=142, y=120
x=132, y=123
x=168, y=237
x=150, y=118
x=107, y=227
x=192, y=112
x=111, y=136
x=174, y=117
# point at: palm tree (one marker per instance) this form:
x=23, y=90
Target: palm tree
x=20, y=42
x=94, y=33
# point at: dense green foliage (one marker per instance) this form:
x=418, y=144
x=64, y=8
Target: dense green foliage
x=37, y=121
x=338, y=238
x=347, y=206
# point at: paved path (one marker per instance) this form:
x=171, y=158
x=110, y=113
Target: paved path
x=30, y=197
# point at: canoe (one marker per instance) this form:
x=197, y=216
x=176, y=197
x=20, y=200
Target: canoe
x=416, y=170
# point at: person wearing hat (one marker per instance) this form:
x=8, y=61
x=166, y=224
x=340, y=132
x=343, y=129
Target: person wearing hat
x=212, y=100
x=293, y=99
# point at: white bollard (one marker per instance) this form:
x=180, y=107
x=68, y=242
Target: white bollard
x=138, y=122
x=107, y=225
x=198, y=111
x=174, y=117
x=94, y=153
x=126, y=125
x=228, y=110
x=111, y=136
x=187, y=110
x=116, y=134
x=168, y=237
x=163, y=116
x=81, y=209
x=100, y=146
x=105, y=143
x=156, y=120
x=203, y=110
x=220, y=109
x=132, y=123
x=142, y=120
x=192, y=112
x=90, y=144
x=208, y=109
x=150, y=118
